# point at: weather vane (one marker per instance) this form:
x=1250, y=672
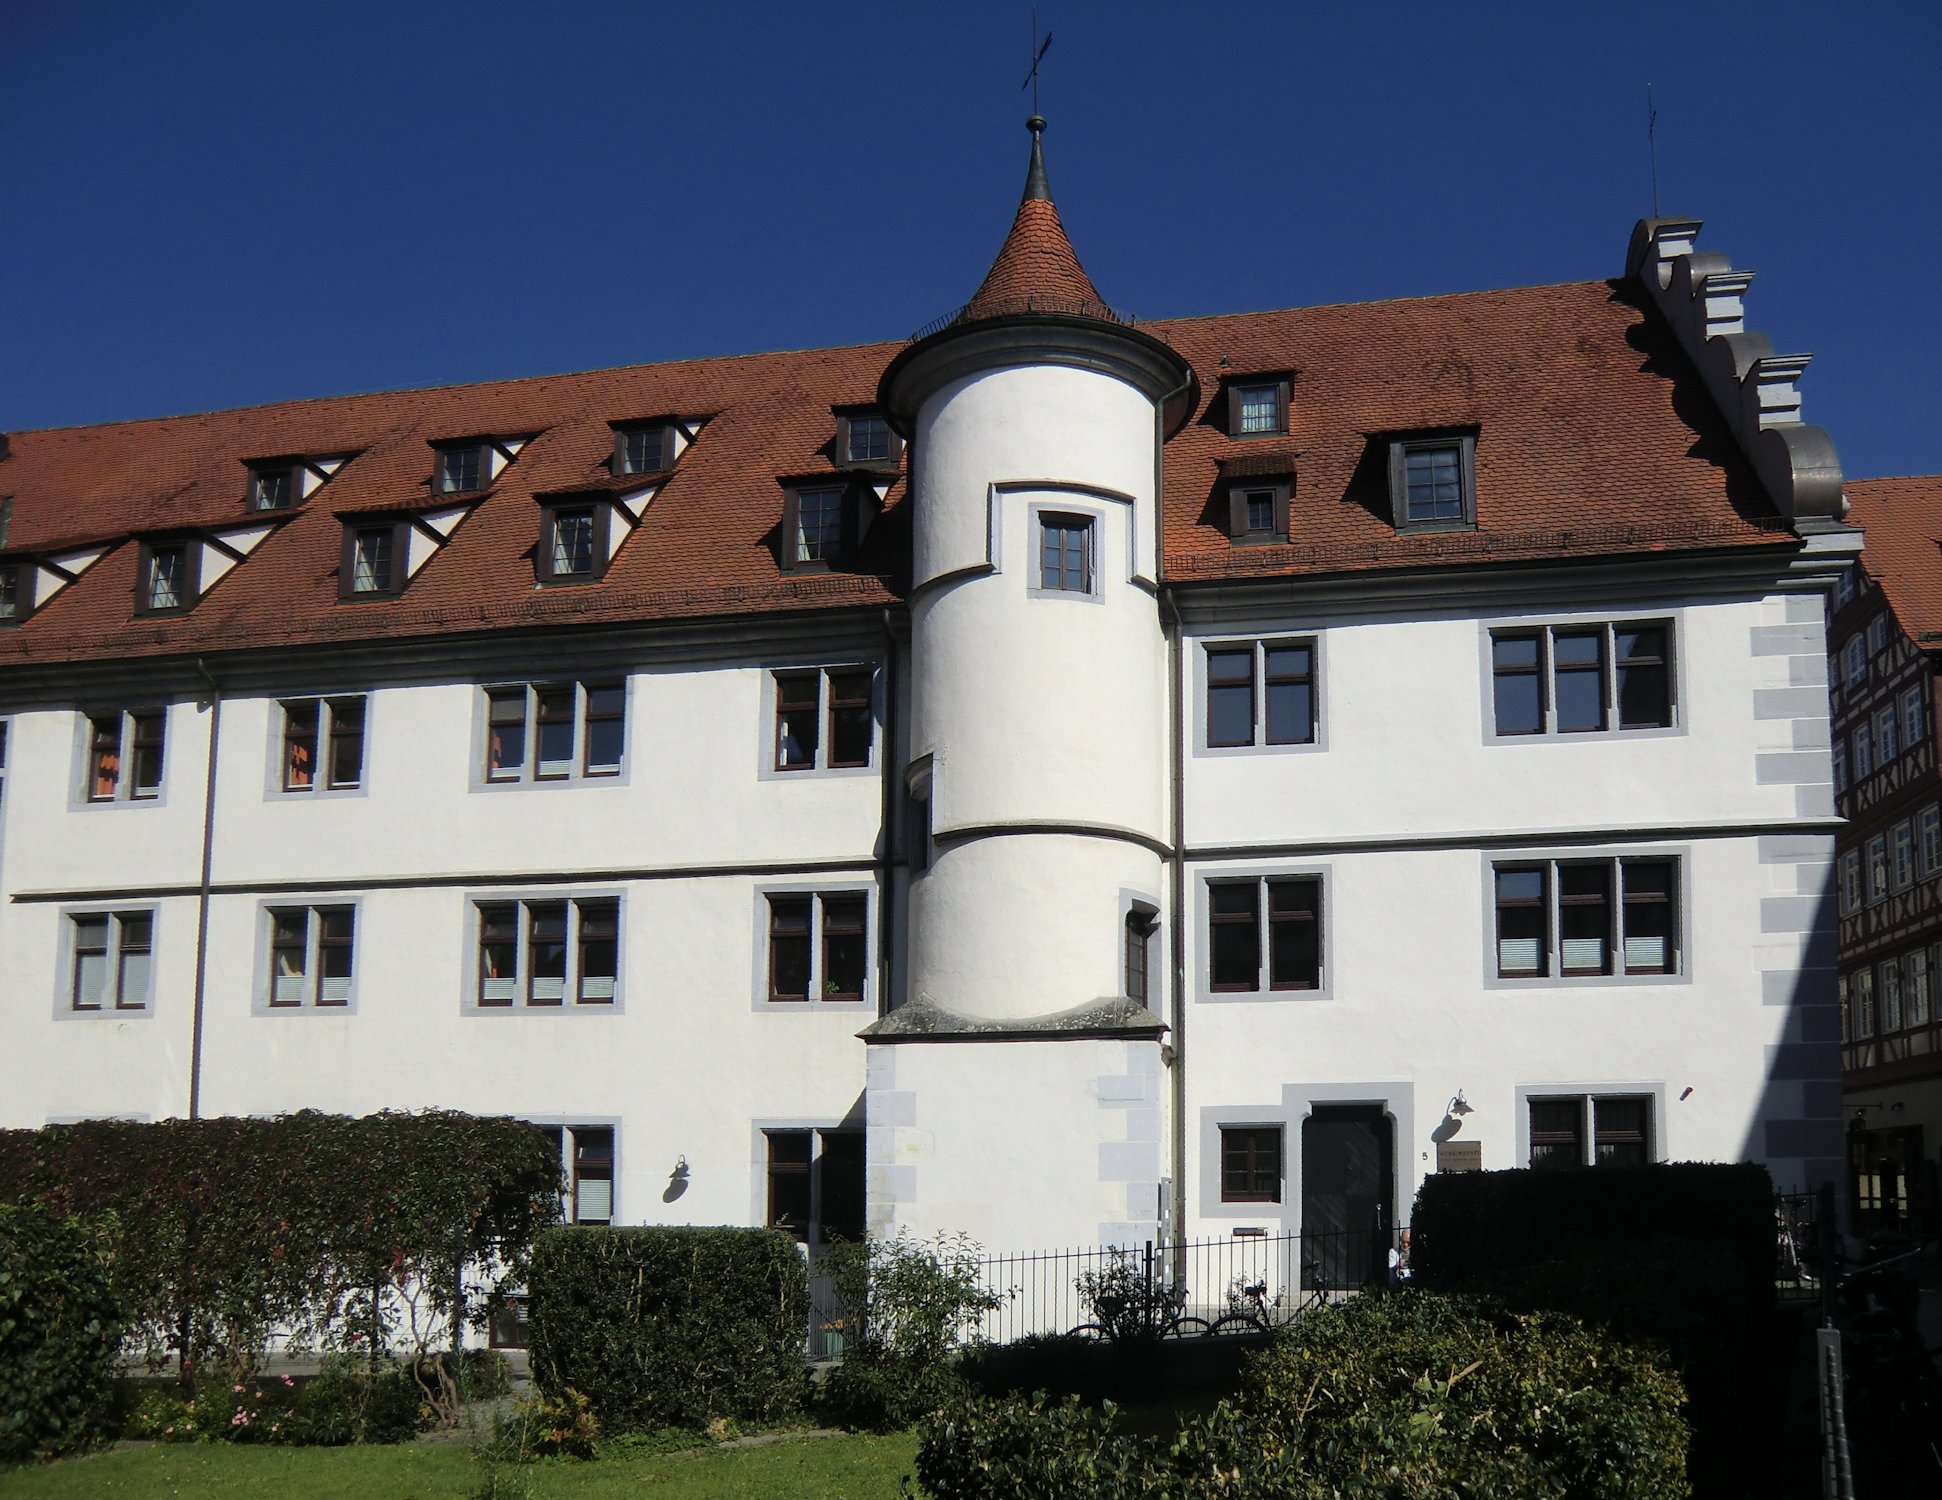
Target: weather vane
x=1038, y=56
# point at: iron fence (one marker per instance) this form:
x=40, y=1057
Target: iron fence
x=1238, y=1284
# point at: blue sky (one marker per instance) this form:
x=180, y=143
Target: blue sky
x=209, y=205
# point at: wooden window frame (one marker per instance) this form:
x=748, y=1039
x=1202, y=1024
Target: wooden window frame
x=847, y=458
x=1065, y=523
x=816, y=696
x=1248, y=1173
x=1590, y=1135
x=1612, y=666
x=1400, y=450
x=1625, y=901
x=520, y=916
x=289, y=470
x=545, y=555
x=531, y=697
x=789, y=550
x=400, y=562
x=1266, y=919
x=188, y=582
x=809, y=921
x=337, y=722
x=122, y=736
x=446, y=454
x=1142, y=921
x=314, y=942
x=781, y=1171
x=17, y=586
x=117, y=944
x=1264, y=676
x=1281, y=389
x=1240, y=526
x=663, y=433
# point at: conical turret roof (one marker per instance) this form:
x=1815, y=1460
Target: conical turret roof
x=1036, y=270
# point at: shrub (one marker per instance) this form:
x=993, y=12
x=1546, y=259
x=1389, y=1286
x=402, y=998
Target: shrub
x=1013, y=1449
x=670, y=1327
x=350, y=1400
x=1406, y=1397
x=343, y=1229
x=59, y=1330
x=1470, y=1224
x=909, y=1308
x=1435, y=1394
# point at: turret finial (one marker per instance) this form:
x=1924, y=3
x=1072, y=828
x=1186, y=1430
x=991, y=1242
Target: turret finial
x=1037, y=185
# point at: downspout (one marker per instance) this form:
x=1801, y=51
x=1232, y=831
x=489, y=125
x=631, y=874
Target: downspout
x=886, y=859
x=1177, y=797
x=1176, y=925
x=202, y=892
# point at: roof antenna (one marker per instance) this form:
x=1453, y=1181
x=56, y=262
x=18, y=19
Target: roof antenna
x=1038, y=56
x=1652, y=142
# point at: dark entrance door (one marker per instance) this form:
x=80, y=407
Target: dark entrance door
x=1348, y=1179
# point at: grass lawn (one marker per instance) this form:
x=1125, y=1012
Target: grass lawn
x=828, y=1468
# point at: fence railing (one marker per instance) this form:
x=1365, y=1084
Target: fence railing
x=1235, y=1284
x=1245, y=1283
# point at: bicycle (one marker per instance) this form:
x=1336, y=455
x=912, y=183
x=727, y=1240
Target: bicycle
x=1128, y=1304
x=1250, y=1311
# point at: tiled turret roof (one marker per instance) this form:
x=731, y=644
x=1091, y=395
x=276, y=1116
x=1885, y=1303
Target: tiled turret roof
x=1036, y=270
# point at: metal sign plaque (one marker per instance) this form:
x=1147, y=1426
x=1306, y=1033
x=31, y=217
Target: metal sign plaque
x=1459, y=1156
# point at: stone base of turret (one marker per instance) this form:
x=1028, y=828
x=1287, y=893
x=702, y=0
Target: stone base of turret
x=1039, y=1136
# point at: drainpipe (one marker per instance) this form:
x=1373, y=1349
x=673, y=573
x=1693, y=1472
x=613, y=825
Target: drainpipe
x=1177, y=858
x=886, y=859
x=202, y=892
x=1176, y=928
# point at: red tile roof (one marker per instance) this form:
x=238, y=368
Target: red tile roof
x=1903, y=552
x=1036, y=271
x=1594, y=436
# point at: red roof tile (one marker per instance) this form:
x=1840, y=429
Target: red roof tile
x=1903, y=552
x=1594, y=436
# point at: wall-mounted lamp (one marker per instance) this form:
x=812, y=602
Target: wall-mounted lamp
x=677, y=1181
x=1458, y=1107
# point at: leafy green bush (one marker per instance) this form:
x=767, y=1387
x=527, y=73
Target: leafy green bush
x=670, y=1327
x=350, y=1400
x=909, y=1308
x=1471, y=1224
x=1432, y=1394
x=1405, y=1397
x=331, y=1227
x=1013, y=1449
x=59, y=1329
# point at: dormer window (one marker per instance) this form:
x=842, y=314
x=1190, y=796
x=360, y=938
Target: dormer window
x=1257, y=511
x=812, y=526
x=373, y=563
x=1432, y=483
x=272, y=488
x=825, y=518
x=461, y=469
x=1257, y=408
x=573, y=542
x=643, y=448
x=864, y=440
x=16, y=592
x=167, y=577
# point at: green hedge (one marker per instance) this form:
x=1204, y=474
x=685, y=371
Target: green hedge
x=1412, y=1395
x=59, y=1330
x=318, y=1224
x=670, y=1327
x=1679, y=1255
x=1469, y=1224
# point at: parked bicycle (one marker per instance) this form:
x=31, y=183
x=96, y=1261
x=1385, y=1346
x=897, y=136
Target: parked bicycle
x=1131, y=1301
